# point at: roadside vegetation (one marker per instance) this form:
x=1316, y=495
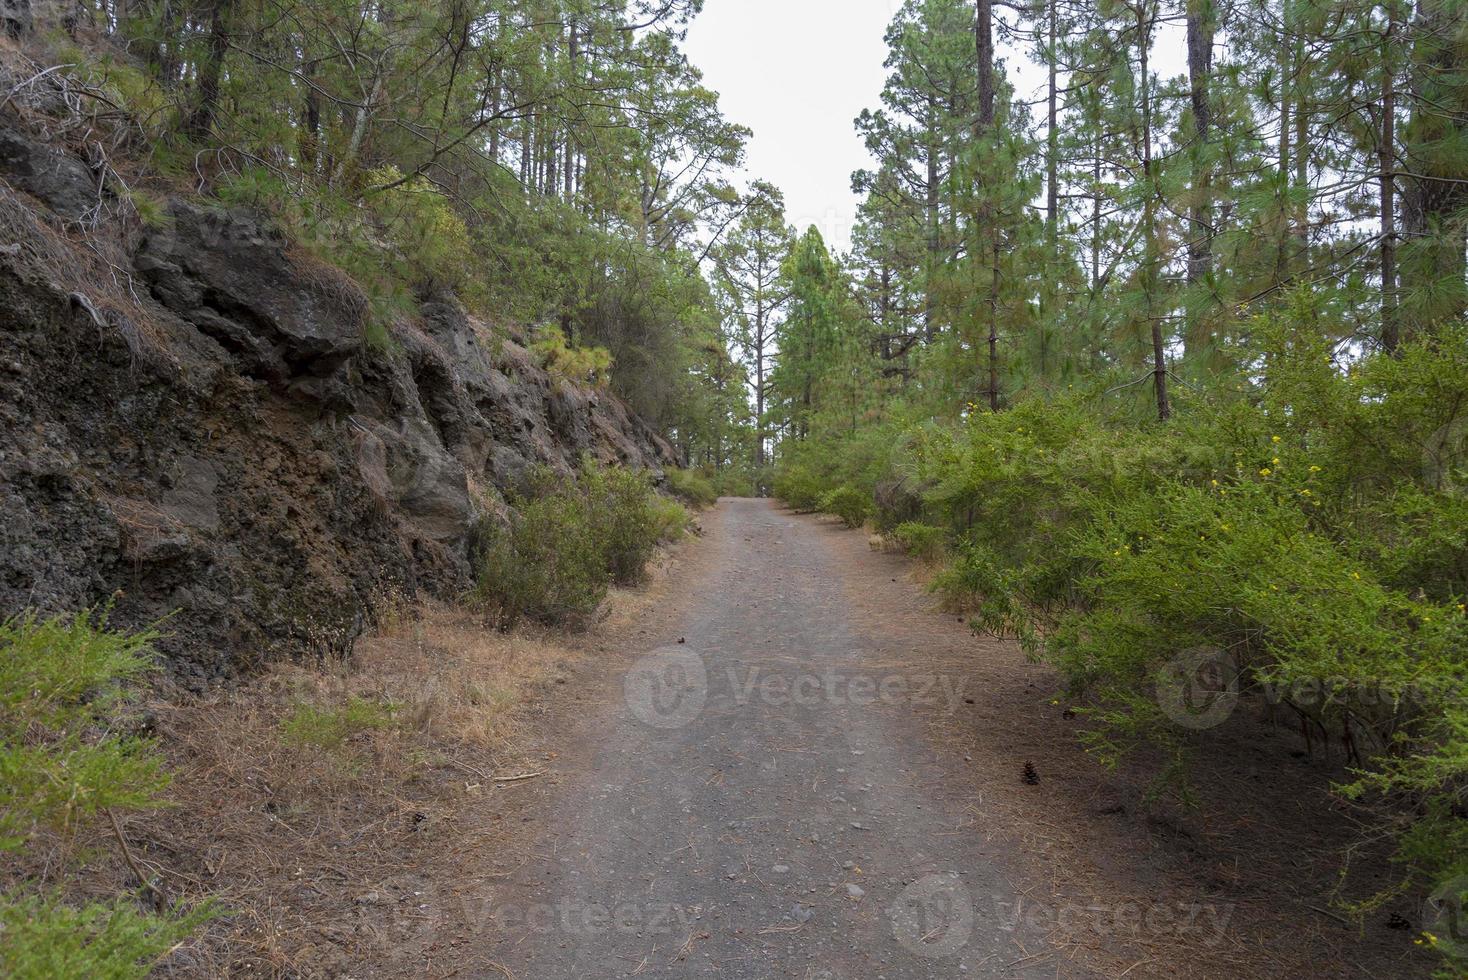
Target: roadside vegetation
x=1168, y=380
x=71, y=760
x=563, y=543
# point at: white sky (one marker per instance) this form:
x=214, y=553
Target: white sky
x=799, y=72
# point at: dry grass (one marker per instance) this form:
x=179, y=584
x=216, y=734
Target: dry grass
x=296, y=838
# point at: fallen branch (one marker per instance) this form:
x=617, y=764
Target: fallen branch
x=516, y=779
x=127, y=856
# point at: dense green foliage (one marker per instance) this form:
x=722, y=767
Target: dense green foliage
x=692, y=487
x=1150, y=365
x=62, y=762
x=42, y=939
x=565, y=541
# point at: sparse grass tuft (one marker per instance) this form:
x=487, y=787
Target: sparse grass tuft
x=330, y=727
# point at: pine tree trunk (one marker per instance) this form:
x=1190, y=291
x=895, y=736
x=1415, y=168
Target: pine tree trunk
x=569, y=168
x=1390, y=326
x=934, y=241
x=1152, y=260
x=1200, y=213
x=1052, y=139
x=984, y=42
x=211, y=71
x=759, y=384
x=310, y=121
x=994, y=330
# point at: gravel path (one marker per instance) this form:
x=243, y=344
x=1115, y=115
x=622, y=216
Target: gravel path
x=761, y=801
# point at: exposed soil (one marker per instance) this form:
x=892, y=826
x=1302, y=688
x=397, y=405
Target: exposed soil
x=844, y=793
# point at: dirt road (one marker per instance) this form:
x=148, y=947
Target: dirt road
x=787, y=765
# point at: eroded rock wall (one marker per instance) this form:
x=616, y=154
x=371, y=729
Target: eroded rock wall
x=231, y=453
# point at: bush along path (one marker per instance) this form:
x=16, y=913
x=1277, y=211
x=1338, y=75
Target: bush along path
x=788, y=765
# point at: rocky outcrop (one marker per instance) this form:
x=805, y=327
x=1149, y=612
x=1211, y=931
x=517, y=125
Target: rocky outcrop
x=227, y=451
x=65, y=184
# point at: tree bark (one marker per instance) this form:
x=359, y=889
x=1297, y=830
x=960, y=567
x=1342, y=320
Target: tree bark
x=211, y=72
x=994, y=329
x=1200, y=214
x=1052, y=140
x=1152, y=260
x=984, y=42
x=1386, y=152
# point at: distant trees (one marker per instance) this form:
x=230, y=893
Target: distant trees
x=748, y=276
x=1315, y=147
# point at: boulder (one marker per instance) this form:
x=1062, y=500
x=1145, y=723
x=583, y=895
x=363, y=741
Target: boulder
x=63, y=183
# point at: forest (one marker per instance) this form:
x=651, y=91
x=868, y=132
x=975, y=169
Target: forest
x=1164, y=376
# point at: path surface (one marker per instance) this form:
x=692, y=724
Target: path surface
x=823, y=780
x=762, y=802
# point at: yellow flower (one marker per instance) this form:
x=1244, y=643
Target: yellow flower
x=1314, y=469
x=1227, y=527
x=1266, y=471
x=1356, y=576
x=1274, y=439
x=1275, y=461
x=1215, y=482
x=1304, y=493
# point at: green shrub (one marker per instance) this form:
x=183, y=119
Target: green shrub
x=566, y=541
x=624, y=522
x=1308, y=524
x=799, y=487
x=547, y=563
x=60, y=682
x=692, y=487
x=922, y=541
x=849, y=504
x=670, y=519
x=330, y=727
x=582, y=365
x=42, y=938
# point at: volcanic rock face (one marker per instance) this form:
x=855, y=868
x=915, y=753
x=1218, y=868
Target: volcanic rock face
x=64, y=183
x=231, y=452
